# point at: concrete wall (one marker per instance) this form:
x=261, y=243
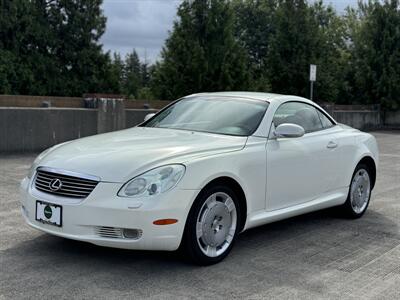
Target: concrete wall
x=37, y=101
x=392, y=119
x=136, y=116
x=364, y=120
x=367, y=119
x=110, y=115
x=35, y=129
x=75, y=102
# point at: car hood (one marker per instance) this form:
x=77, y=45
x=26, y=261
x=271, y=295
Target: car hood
x=119, y=156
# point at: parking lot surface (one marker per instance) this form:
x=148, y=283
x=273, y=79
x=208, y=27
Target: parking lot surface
x=318, y=255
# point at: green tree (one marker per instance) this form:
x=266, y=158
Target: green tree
x=201, y=53
x=374, y=71
x=254, y=27
x=22, y=38
x=52, y=47
x=292, y=48
x=283, y=37
x=331, y=53
x=78, y=26
x=145, y=72
x=116, y=73
x=132, y=74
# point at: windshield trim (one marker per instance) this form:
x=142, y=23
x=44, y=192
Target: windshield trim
x=143, y=124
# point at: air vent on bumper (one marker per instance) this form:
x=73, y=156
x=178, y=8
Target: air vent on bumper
x=118, y=233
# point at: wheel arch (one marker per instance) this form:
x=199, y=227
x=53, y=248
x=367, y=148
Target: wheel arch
x=237, y=188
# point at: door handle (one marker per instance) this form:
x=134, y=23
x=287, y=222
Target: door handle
x=331, y=145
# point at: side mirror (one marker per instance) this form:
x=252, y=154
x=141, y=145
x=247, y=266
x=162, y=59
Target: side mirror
x=148, y=116
x=289, y=130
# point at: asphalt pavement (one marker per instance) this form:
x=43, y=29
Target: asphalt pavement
x=318, y=255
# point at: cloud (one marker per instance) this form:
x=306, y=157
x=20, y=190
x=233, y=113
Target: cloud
x=144, y=24
x=138, y=24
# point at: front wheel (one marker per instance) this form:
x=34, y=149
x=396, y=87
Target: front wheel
x=212, y=225
x=359, y=192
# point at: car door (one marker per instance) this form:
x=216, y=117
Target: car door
x=299, y=169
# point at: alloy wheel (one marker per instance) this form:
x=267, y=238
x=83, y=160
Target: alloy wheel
x=216, y=224
x=360, y=191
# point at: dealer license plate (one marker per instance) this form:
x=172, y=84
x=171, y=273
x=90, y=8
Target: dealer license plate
x=49, y=213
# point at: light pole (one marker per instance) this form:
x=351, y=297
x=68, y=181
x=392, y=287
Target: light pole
x=313, y=77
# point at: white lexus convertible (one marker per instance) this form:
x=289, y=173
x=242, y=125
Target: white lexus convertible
x=199, y=172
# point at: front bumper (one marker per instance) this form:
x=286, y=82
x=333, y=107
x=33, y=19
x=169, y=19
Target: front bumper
x=82, y=220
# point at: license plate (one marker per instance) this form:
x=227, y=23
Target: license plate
x=49, y=213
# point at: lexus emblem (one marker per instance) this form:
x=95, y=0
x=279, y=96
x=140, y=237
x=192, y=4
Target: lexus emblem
x=55, y=185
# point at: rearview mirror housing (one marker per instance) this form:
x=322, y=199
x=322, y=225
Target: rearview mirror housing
x=148, y=116
x=289, y=130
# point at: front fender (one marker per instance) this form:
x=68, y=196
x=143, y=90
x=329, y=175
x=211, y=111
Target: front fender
x=365, y=145
x=247, y=167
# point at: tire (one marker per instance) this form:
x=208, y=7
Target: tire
x=359, y=193
x=212, y=225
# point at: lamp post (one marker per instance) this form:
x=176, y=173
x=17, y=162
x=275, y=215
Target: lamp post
x=313, y=77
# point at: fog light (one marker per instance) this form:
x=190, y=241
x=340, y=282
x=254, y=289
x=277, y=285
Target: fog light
x=132, y=233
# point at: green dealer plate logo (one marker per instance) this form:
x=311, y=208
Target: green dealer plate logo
x=48, y=212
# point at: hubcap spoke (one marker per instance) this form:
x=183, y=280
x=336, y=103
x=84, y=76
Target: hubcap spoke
x=211, y=251
x=199, y=229
x=230, y=204
x=211, y=201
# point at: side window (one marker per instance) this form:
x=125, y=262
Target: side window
x=298, y=113
x=326, y=123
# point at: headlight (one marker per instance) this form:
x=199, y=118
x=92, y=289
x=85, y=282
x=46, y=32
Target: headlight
x=153, y=182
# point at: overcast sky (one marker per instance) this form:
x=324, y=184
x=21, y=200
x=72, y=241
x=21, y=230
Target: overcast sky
x=144, y=24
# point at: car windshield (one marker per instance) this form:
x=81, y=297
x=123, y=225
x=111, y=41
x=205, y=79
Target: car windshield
x=221, y=115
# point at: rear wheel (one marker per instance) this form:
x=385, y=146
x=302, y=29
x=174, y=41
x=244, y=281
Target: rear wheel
x=212, y=225
x=359, y=192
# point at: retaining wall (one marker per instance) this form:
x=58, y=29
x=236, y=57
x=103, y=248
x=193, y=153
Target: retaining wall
x=75, y=102
x=364, y=120
x=392, y=119
x=35, y=129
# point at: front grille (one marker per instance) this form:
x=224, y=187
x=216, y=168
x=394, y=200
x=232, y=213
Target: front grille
x=63, y=185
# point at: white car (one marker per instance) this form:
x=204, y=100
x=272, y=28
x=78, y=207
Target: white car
x=199, y=172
